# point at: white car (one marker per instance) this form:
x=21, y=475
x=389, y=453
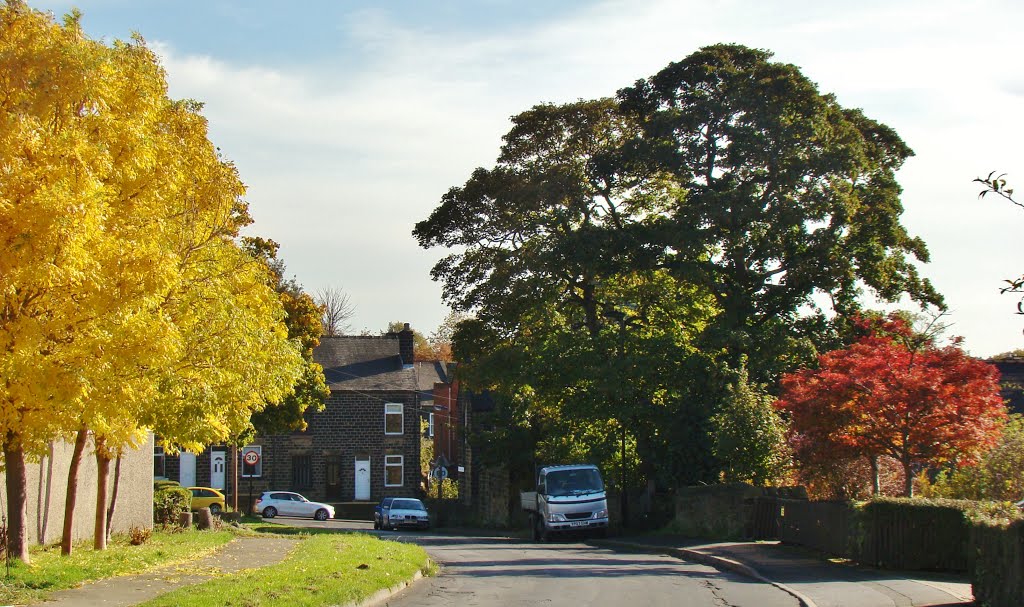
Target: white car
x=286, y=503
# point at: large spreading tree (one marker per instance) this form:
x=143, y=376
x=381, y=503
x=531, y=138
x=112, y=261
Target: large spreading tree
x=625, y=256
x=787, y=199
x=896, y=394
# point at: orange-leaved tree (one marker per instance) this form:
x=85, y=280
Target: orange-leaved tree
x=894, y=393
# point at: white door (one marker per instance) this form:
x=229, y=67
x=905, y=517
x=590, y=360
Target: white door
x=362, y=479
x=217, y=465
x=187, y=475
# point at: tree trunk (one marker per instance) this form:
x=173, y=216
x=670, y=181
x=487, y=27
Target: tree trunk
x=908, y=481
x=876, y=482
x=17, y=500
x=113, y=494
x=67, y=539
x=102, y=474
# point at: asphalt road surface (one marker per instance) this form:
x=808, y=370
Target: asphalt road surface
x=498, y=571
x=491, y=572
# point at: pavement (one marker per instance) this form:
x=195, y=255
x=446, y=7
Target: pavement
x=811, y=579
x=122, y=591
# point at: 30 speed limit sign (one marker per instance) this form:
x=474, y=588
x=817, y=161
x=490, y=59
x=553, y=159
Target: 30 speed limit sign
x=251, y=458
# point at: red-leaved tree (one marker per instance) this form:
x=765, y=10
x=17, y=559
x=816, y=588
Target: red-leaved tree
x=894, y=393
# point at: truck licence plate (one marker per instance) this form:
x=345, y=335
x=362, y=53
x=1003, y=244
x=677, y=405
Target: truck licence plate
x=578, y=523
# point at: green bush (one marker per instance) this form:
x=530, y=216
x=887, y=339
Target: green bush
x=997, y=574
x=913, y=533
x=163, y=483
x=169, y=502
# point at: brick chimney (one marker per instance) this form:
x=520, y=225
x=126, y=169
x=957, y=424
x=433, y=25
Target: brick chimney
x=405, y=346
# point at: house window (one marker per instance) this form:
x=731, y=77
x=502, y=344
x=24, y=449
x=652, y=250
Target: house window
x=394, y=418
x=394, y=470
x=159, y=462
x=430, y=427
x=252, y=470
x=302, y=471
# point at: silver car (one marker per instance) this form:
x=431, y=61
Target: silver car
x=406, y=512
x=286, y=503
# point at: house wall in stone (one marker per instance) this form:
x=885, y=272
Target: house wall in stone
x=350, y=426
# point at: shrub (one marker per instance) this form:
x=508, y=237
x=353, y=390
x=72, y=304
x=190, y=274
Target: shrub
x=138, y=536
x=997, y=575
x=919, y=534
x=163, y=483
x=169, y=502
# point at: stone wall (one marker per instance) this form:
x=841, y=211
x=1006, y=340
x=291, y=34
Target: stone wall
x=351, y=426
x=47, y=490
x=493, y=496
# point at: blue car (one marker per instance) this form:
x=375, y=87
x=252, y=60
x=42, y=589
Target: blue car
x=380, y=511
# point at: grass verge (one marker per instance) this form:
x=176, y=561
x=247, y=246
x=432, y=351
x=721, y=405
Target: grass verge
x=49, y=571
x=324, y=569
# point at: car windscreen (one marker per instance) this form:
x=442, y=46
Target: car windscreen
x=407, y=505
x=578, y=481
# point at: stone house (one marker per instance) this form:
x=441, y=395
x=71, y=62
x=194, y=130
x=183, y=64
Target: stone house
x=365, y=444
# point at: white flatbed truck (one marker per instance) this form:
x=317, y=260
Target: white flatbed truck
x=569, y=498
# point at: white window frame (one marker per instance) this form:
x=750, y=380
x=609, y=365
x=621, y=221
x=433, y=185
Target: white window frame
x=258, y=472
x=394, y=461
x=430, y=427
x=394, y=409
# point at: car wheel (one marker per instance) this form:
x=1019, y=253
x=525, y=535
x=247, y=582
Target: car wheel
x=269, y=512
x=320, y=515
x=214, y=509
x=376, y=525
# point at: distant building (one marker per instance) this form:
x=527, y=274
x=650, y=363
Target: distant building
x=1011, y=378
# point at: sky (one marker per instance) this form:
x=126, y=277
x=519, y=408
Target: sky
x=348, y=120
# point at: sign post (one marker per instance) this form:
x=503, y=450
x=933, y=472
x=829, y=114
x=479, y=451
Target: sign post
x=251, y=458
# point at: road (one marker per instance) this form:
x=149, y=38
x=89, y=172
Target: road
x=497, y=571
x=489, y=572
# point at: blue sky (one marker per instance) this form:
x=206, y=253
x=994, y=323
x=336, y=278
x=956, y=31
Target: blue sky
x=348, y=120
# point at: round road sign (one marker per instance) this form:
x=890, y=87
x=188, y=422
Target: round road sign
x=251, y=458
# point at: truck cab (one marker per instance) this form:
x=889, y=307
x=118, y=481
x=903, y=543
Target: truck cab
x=568, y=498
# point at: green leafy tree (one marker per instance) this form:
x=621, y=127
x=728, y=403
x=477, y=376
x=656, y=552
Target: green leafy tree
x=624, y=255
x=750, y=436
x=788, y=195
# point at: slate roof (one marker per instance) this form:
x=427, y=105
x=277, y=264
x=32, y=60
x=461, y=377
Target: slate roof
x=429, y=373
x=360, y=362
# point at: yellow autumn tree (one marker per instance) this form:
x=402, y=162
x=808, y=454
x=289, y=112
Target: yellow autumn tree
x=126, y=304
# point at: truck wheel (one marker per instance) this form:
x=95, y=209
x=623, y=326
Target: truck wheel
x=540, y=532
